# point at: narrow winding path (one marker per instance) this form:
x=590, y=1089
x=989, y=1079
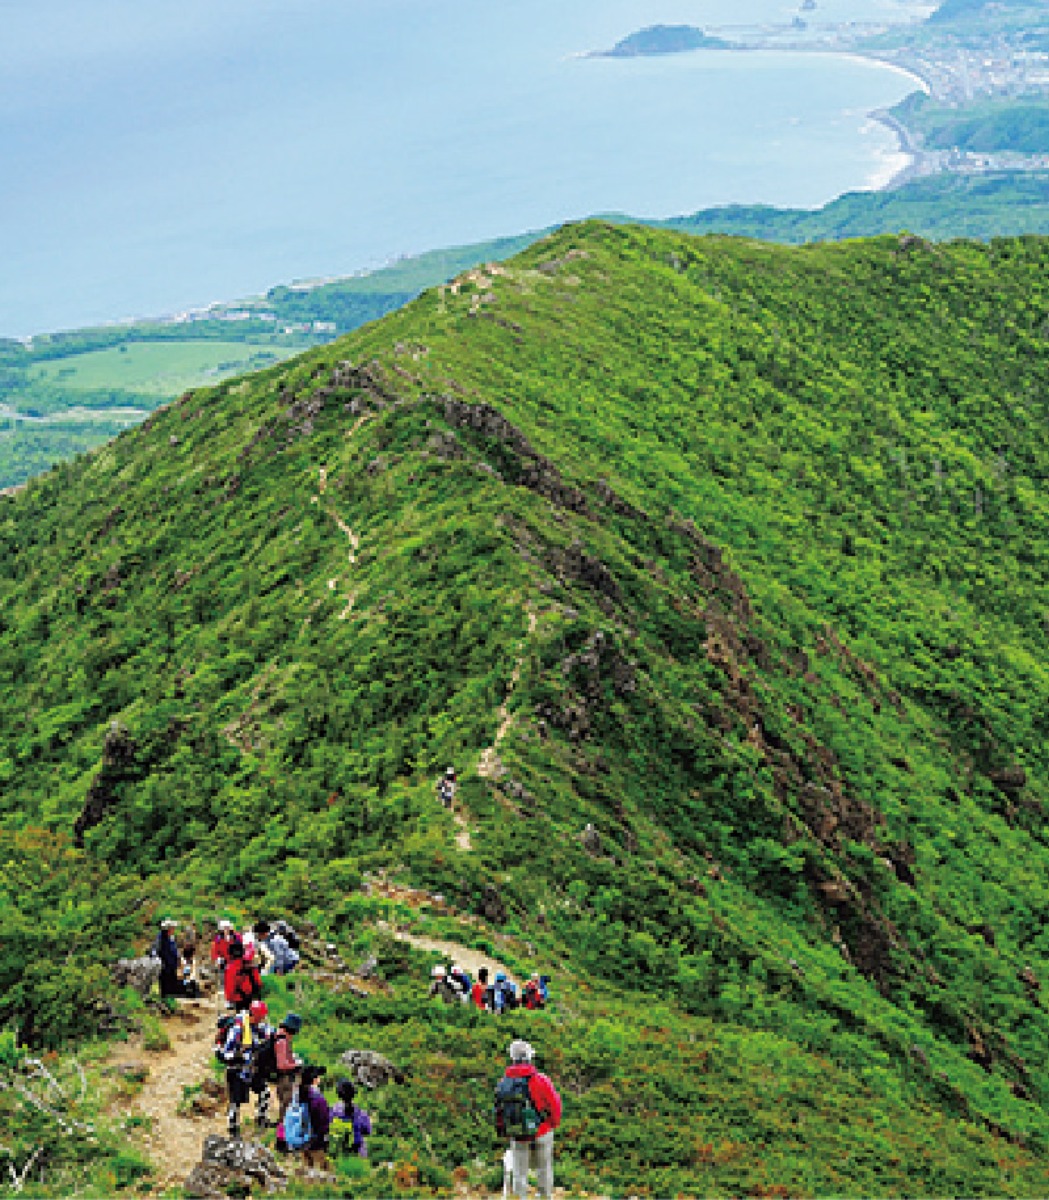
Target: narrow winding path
x=172, y=1142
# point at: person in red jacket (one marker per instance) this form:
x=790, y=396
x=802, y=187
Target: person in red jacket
x=536, y=1151
x=242, y=982
x=224, y=937
x=479, y=991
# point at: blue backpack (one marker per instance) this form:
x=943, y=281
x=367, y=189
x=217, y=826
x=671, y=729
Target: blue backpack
x=298, y=1133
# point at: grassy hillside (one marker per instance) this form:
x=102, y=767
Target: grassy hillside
x=732, y=551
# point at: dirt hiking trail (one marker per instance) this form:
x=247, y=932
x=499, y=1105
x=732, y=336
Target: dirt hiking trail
x=472, y=960
x=172, y=1142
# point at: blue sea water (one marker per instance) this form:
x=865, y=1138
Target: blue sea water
x=159, y=154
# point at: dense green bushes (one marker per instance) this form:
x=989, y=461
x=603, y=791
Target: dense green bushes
x=725, y=550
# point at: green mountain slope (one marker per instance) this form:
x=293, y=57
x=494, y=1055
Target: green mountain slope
x=733, y=552
x=79, y=382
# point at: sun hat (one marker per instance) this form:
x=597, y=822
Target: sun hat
x=521, y=1051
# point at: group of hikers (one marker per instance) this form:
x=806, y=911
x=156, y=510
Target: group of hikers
x=257, y=1055
x=240, y=958
x=454, y=986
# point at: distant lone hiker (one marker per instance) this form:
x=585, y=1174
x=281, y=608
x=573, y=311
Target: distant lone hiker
x=528, y=1110
x=446, y=786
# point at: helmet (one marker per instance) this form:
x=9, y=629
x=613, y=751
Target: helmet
x=258, y=1010
x=438, y=972
x=292, y=1022
x=450, y=772
x=500, y=976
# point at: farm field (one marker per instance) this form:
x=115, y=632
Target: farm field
x=157, y=368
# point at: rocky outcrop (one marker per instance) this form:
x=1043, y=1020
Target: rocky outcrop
x=138, y=973
x=369, y=1069
x=118, y=765
x=492, y=907
x=231, y=1167
x=515, y=458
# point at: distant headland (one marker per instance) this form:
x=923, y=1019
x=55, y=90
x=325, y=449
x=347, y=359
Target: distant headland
x=663, y=39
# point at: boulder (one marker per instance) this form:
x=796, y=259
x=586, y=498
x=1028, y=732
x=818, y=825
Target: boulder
x=138, y=973
x=370, y=1069
x=492, y=907
x=230, y=1166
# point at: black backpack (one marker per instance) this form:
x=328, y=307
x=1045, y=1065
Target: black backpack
x=516, y=1115
x=265, y=1059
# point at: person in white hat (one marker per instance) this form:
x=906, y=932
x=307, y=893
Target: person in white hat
x=528, y=1110
x=225, y=936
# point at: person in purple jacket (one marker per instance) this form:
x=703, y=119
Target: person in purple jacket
x=316, y=1153
x=350, y=1125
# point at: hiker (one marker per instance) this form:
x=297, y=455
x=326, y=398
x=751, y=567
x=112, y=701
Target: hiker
x=264, y=955
x=528, y=1110
x=241, y=982
x=459, y=979
x=446, y=786
x=285, y=956
x=504, y=993
x=479, y=992
x=263, y=1060
x=190, y=986
x=315, y=1153
x=532, y=993
x=225, y=936
x=443, y=987
x=285, y=1063
x=166, y=950
x=350, y=1125
x=233, y=1049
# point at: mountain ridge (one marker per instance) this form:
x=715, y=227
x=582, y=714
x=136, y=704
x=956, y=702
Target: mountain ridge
x=727, y=550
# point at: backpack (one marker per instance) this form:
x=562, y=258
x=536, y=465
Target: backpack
x=516, y=1115
x=248, y=982
x=289, y=934
x=533, y=996
x=266, y=1058
x=298, y=1133
x=221, y=1035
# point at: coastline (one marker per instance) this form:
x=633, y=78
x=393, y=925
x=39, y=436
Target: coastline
x=906, y=147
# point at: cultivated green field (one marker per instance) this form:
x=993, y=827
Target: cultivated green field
x=157, y=368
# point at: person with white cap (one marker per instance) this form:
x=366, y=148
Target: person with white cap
x=225, y=936
x=528, y=1110
x=442, y=986
x=446, y=787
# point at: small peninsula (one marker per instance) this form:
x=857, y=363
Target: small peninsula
x=664, y=39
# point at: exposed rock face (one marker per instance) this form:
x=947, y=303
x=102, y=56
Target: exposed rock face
x=233, y=1167
x=520, y=462
x=370, y=1069
x=492, y=907
x=118, y=763
x=139, y=973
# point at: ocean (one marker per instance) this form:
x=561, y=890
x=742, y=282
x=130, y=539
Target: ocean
x=160, y=155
